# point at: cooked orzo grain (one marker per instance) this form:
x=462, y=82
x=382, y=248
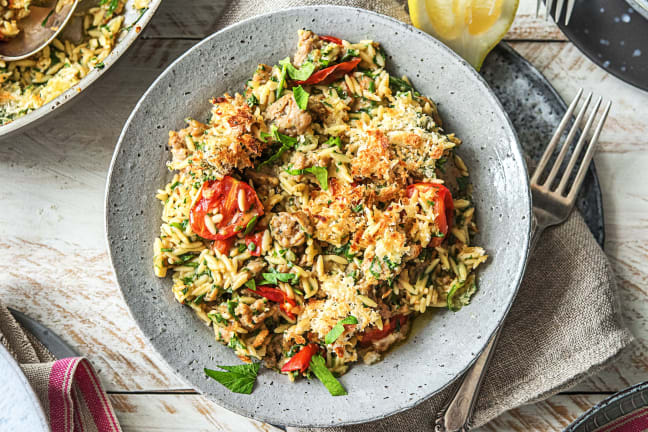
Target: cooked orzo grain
x=328, y=191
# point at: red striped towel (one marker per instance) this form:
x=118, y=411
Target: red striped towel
x=69, y=389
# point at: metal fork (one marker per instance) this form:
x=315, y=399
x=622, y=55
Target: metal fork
x=559, y=8
x=551, y=206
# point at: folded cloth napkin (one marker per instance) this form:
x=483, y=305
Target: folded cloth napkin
x=564, y=324
x=69, y=390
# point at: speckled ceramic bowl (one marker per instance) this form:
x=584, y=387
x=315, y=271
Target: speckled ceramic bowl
x=20, y=409
x=443, y=344
x=124, y=41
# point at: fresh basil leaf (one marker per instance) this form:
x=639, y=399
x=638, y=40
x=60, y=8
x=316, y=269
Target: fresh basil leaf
x=199, y=299
x=251, y=284
x=321, y=174
x=301, y=97
x=301, y=74
x=318, y=367
x=238, y=379
x=358, y=208
x=338, y=329
x=250, y=225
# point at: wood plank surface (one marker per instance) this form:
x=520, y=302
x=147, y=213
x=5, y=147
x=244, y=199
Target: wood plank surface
x=54, y=266
x=162, y=413
x=174, y=20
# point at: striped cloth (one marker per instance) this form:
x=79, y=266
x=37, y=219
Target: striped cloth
x=69, y=389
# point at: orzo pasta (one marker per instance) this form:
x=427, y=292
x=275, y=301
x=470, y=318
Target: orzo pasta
x=28, y=84
x=319, y=212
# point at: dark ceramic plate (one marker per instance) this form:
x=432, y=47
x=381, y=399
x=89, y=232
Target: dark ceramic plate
x=614, y=36
x=625, y=411
x=535, y=109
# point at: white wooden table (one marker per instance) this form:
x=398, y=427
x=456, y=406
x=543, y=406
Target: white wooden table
x=54, y=266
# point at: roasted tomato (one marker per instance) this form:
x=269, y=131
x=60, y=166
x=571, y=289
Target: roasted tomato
x=331, y=39
x=223, y=246
x=443, y=206
x=301, y=360
x=224, y=208
x=277, y=296
x=374, y=334
x=256, y=240
x=331, y=73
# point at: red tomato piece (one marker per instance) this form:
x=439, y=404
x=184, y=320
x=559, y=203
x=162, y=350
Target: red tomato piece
x=301, y=360
x=375, y=334
x=278, y=296
x=255, y=239
x=331, y=73
x=223, y=246
x=331, y=39
x=221, y=197
x=443, y=206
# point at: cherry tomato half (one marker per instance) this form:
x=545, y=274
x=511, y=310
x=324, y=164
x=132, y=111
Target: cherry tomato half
x=222, y=197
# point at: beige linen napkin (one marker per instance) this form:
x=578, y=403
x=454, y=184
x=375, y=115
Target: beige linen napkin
x=564, y=323
x=69, y=390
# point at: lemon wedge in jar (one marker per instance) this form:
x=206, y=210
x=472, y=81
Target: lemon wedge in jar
x=471, y=28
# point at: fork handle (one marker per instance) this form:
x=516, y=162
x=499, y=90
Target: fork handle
x=456, y=415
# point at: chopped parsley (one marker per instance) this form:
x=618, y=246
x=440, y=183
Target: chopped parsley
x=250, y=225
x=274, y=277
x=334, y=141
x=252, y=101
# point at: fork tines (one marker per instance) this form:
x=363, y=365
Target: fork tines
x=558, y=11
x=547, y=183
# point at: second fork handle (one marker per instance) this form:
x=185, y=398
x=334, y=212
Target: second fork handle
x=456, y=416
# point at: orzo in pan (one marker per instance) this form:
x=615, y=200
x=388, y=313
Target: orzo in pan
x=30, y=83
x=313, y=217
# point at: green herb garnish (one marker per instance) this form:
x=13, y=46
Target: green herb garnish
x=301, y=97
x=251, y=284
x=334, y=141
x=318, y=367
x=239, y=379
x=44, y=23
x=252, y=101
x=250, y=225
x=338, y=329
x=301, y=74
x=320, y=173
x=274, y=277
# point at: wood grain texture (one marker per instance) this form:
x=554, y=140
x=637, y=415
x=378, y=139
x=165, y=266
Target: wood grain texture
x=53, y=262
x=174, y=20
x=138, y=412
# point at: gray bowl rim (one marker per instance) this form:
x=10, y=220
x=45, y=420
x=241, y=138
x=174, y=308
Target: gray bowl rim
x=24, y=122
x=516, y=151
